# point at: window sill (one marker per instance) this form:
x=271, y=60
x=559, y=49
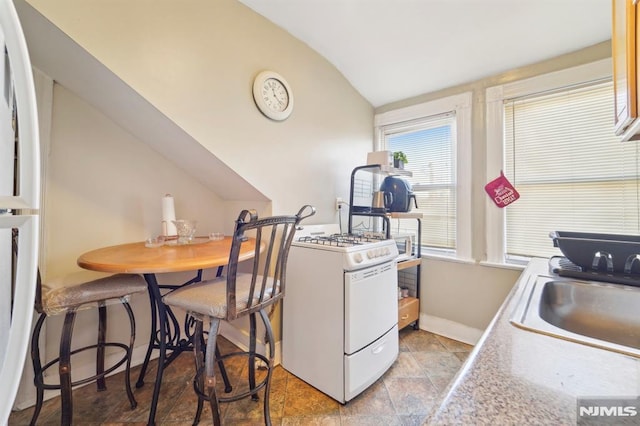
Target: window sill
x=512, y=266
x=518, y=264
x=432, y=255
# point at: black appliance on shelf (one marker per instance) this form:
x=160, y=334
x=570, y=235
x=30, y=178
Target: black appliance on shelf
x=401, y=194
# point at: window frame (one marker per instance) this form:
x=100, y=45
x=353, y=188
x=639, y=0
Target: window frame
x=461, y=106
x=495, y=225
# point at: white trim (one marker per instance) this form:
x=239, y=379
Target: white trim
x=44, y=97
x=461, y=104
x=89, y=369
x=436, y=107
x=240, y=338
x=495, y=97
x=234, y=335
x=494, y=216
x=452, y=330
x=581, y=73
x=463, y=169
x=511, y=266
x=429, y=254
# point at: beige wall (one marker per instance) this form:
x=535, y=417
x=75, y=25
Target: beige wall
x=104, y=187
x=195, y=61
x=470, y=294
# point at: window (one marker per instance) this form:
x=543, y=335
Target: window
x=429, y=143
x=435, y=136
x=557, y=147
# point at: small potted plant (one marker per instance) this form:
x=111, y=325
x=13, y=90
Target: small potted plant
x=399, y=159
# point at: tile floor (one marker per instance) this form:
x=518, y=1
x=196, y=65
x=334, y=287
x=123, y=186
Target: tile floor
x=404, y=395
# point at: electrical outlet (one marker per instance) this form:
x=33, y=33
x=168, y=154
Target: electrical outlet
x=339, y=203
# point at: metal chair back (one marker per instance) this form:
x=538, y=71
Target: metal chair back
x=273, y=237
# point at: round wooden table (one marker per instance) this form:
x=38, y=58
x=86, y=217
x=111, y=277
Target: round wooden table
x=136, y=258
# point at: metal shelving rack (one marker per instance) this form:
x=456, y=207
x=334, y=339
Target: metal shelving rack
x=386, y=218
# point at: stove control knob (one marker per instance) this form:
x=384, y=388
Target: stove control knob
x=357, y=257
x=386, y=251
x=371, y=254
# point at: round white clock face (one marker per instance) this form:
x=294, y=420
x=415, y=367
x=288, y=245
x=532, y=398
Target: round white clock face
x=273, y=95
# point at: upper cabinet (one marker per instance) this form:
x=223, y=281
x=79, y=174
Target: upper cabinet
x=624, y=42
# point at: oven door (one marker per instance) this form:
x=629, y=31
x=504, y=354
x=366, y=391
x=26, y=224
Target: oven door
x=371, y=304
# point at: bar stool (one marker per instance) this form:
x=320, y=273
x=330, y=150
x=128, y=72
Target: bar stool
x=67, y=296
x=240, y=294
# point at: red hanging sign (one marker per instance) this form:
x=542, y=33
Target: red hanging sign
x=501, y=191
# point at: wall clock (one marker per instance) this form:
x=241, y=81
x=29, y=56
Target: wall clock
x=273, y=95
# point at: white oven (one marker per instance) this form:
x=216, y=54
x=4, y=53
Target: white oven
x=339, y=327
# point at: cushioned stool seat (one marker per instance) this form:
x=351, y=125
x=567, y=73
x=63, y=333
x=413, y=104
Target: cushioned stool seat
x=83, y=290
x=237, y=295
x=65, y=293
x=210, y=297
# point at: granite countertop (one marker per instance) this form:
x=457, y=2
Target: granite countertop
x=515, y=376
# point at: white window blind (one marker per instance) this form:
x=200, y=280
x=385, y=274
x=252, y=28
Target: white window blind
x=429, y=144
x=571, y=171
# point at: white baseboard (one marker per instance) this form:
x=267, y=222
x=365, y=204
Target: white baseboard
x=86, y=370
x=240, y=338
x=236, y=336
x=452, y=330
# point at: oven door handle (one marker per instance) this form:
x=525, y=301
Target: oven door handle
x=379, y=347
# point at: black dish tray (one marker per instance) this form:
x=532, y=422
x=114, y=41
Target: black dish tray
x=561, y=266
x=583, y=248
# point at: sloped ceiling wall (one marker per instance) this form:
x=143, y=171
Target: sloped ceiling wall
x=178, y=75
x=69, y=64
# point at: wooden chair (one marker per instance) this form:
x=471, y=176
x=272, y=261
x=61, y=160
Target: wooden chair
x=237, y=295
x=68, y=296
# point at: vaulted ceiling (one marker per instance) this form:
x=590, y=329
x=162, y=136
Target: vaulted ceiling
x=392, y=50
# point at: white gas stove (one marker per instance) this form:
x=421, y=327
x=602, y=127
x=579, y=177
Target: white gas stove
x=340, y=310
x=359, y=250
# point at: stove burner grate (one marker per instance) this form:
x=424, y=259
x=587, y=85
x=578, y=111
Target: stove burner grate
x=343, y=240
x=325, y=241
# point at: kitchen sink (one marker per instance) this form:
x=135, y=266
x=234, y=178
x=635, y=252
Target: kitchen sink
x=592, y=313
